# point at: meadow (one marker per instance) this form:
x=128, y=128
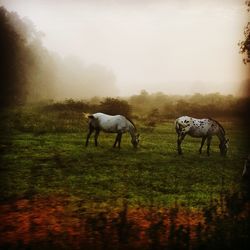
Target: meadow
x=44, y=157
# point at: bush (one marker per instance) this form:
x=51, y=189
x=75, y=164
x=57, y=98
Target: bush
x=113, y=106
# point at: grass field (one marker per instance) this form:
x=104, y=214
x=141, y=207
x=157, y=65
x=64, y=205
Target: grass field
x=58, y=194
x=43, y=163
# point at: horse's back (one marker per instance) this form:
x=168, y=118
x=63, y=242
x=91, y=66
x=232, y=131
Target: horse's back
x=104, y=117
x=111, y=123
x=193, y=126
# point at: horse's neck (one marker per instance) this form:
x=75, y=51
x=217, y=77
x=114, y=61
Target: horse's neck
x=132, y=130
x=220, y=132
x=221, y=135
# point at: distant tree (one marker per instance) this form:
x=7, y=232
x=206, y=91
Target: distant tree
x=142, y=102
x=14, y=61
x=183, y=108
x=245, y=45
x=169, y=109
x=153, y=117
x=25, y=65
x=114, y=106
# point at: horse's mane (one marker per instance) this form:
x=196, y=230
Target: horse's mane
x=218, y=124
x=131, y=122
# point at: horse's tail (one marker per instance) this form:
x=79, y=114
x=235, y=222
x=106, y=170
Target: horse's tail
x=177, y=126
x=88, y=118
x=87, y=115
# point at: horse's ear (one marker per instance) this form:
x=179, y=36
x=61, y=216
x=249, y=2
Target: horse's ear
x=138, y=135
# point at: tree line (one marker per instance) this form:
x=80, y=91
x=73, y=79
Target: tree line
x=159, y=106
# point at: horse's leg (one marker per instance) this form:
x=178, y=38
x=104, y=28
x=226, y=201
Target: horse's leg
x=179, y=141
x=209, y=138
x=179, y=145
x=97, y=132
x=91, y=129
x=202, y=143
x=119, y=140
x=116, y=140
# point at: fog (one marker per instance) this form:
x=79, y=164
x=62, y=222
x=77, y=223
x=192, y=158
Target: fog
x=110, y=48
x=77, y=80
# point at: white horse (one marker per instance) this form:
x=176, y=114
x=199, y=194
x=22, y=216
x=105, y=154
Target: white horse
x=200, y=128
x=111, y=124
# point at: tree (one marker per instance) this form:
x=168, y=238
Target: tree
x=26, y=67
x=113, y=106
x=245, y=45
x=14, y=61
x=17, y=57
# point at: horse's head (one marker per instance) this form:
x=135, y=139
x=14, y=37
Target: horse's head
x=135, y=140
x=224, y=146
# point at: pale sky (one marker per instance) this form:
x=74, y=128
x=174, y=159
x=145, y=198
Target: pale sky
x=173, y=46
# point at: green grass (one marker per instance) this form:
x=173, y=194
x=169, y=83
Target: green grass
x=58, y=163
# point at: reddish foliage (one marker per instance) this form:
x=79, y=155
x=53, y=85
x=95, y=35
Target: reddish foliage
x=55, y=219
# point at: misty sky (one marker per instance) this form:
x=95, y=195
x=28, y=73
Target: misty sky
x=173, y=46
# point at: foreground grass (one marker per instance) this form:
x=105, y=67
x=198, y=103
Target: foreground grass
x=59, y=163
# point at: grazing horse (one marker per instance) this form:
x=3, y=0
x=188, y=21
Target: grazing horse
x=111, y=124
x=200, y=128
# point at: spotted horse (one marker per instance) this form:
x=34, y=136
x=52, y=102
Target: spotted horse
x=201, y=128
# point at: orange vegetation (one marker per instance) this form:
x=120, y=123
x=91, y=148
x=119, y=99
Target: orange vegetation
x=59, y=220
